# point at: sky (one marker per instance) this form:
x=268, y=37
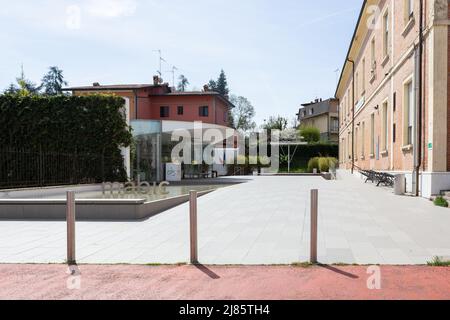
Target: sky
x=278, y=54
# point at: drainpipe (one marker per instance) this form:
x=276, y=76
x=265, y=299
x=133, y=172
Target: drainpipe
x=353, y=114
x=420, y=102
x=135, y=104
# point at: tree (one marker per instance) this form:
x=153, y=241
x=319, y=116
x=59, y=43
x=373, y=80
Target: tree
x=12, y=89
x=310, y=134
x=276, y=123
x=26, y=86
x=212, y=85
x=183, y=83
x=243, y=113
x=221, y=85
x=53, y=81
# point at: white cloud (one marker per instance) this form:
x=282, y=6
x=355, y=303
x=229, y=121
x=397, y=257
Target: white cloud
x=111, y=8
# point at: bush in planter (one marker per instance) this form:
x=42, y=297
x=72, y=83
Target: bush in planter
x=441, y=202
x=332, y=162
x=324, y=164
x=313, y=164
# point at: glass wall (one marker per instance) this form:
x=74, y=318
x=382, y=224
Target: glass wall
x=146, y=151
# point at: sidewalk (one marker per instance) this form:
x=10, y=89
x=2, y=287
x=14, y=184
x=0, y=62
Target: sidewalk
x=229, y=283
x=264, y=221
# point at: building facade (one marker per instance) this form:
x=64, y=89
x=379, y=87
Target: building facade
x=159, y=102
x=323, y=115
x=155, y=111
x=394, y=95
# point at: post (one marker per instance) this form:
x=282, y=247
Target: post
x=289, y=158
x=193, y=226
x=314, y=224
x=70, y=217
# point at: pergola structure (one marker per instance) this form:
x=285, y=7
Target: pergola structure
x=290, y=144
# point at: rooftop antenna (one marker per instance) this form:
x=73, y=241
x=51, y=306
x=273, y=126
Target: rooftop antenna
x=161, y=60
x=22, y=73
x=174, y=69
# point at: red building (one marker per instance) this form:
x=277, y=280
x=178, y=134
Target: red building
x=160, y=102
x=154, y=112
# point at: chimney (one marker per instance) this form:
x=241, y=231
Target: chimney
x=96, y=84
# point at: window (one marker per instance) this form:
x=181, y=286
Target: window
x=394, y=102
x=409, y=114
x=386, y=34
x=348, y=102
x=334, y=125
x=363, y=139
x=349, y=140
x=372, y=134
x=363, y=86
x=357, y=84
x=385, y=128
x=372, y=55
x=180, y=110
x=204, y=111
x=356, y=143
x=394, y=133
x=225, y=116
x=344, y=111
x=311, y=111
x=164, y=112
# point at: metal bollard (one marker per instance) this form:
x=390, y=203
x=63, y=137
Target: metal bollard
x=314, y=224
x=70, y=218
x=193, y=226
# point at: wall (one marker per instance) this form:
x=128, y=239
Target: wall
x=387, y=86
x=190, y=105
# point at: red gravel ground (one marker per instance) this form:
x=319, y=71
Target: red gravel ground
x=253, y=283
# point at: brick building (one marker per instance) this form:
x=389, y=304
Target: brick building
x=394, y=97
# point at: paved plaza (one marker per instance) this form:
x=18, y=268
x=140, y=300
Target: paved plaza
x=263, y=221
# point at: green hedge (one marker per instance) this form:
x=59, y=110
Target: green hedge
x=81, y=126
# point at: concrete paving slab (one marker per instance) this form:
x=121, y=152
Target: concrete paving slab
x=263, y=221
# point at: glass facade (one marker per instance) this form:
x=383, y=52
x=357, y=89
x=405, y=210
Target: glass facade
x=146, y=150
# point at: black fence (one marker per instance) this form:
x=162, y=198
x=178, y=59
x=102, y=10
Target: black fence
x=21, y=168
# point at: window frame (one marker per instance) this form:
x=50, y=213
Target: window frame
x=408, y=112
x=201, y=112
x=163, y=114
x=386, y=34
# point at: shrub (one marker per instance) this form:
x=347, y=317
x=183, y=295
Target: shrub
x=438, y=262
x=310, y=134
x=313, y=164
x=324, y=165
x=332, y=162
x=441, y=202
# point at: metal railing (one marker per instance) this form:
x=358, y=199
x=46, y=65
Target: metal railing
x=22, y=168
